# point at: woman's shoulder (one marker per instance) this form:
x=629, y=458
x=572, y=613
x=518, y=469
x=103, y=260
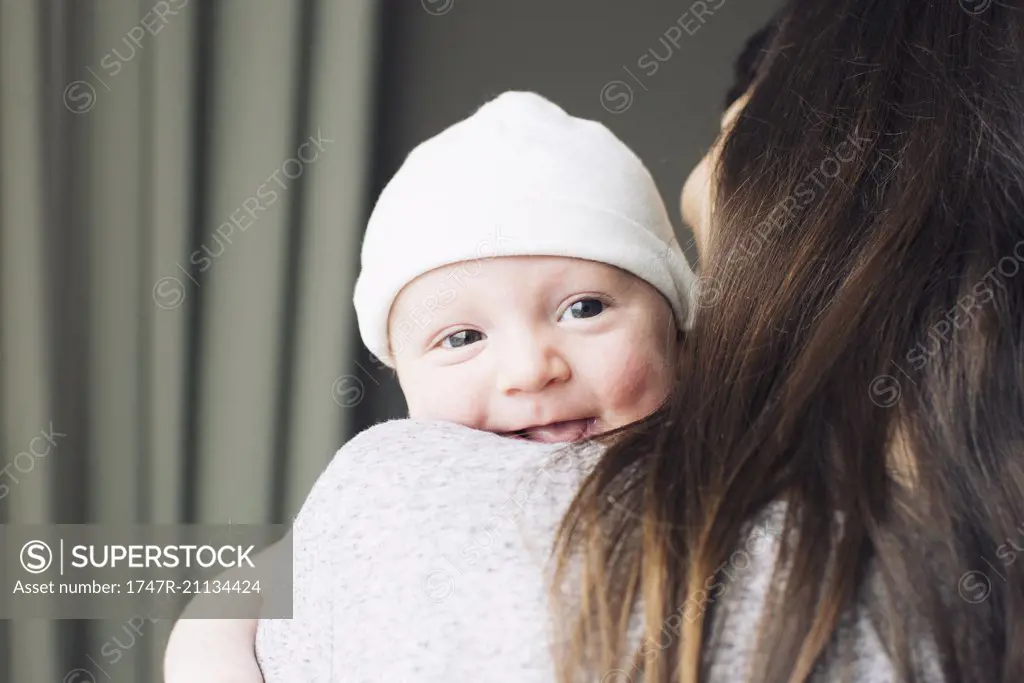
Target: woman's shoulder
x=429, y=467
x=742, y=589
x=426, y=450
x=408, y=439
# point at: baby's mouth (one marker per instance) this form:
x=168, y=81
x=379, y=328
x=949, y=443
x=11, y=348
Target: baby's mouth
x=558, y=432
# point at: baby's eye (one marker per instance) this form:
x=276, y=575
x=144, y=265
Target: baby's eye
x=461, y=338
x=584, y=308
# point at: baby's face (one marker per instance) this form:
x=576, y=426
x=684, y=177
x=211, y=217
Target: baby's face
x=548, y=348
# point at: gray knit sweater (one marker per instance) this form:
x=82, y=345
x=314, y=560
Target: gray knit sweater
x=421, y=552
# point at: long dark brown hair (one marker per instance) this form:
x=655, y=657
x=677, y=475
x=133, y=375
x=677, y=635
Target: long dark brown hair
x=858, y=354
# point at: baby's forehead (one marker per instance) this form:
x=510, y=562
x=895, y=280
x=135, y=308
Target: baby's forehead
x=539, y=274
x=507, y=281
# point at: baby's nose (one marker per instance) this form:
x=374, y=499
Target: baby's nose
x=530, y=369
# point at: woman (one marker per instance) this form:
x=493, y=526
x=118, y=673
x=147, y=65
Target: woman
x=855, y=379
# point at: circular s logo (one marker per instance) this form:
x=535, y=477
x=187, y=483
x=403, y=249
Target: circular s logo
x=975, y=6
x=79, y=97
x=885, y=391
x=705, y=292
x=438, y=8
x=438, y=585
x=616, y=97
x=974, y=587
x=36, y=557
x=79, y=676
x=348, y=391
x=168, y=293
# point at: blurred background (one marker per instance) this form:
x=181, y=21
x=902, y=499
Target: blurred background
x=183, y=189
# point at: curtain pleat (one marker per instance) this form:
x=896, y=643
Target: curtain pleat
x=172, y=168
x=24, y=364
x=114, y=188
x=251, y=118
x=115, y=154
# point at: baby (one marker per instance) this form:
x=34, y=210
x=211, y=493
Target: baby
x=521, y=275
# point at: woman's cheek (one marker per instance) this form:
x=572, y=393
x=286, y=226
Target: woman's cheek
x=696, y=199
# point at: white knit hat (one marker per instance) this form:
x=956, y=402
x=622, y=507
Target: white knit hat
x=520, y=177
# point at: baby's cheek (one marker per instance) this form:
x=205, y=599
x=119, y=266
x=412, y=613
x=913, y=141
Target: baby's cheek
x=635, y=383
x=431, y=396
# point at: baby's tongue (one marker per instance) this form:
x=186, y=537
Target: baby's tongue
x=558, y=432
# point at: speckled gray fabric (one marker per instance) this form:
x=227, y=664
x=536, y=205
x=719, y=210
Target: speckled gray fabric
x=420, y=555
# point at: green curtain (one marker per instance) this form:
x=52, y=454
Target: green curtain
x=182, y=193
